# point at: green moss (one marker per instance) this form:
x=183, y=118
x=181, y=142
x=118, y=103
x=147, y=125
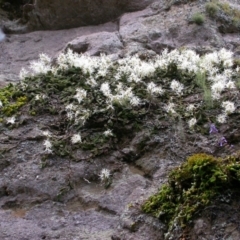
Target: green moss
x=12, y=100
x=192, y=186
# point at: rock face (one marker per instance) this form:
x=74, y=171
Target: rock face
x=32, y=199
x=54, y=14
x=16, y=49
x=97, y=43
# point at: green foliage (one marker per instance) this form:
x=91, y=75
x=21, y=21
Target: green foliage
x=212, y=9
x=202, y=83
x=233, y=13
x=198, y=18
x=12, y=100
x=192, y=186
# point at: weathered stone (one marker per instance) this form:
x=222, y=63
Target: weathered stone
x=31, y=186
x=17, y=51
x=52, y=14
x=97, y=43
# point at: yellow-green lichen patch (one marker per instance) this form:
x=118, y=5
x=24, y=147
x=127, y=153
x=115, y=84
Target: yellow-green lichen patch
x=192, y=186
x=11, y=100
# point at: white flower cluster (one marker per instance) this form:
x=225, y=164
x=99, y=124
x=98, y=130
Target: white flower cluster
x=42, y=66
x=131, y=71
x=48, y=146
x=192, y=122
x=23, y=74
x=76, y=138
x=177, y=87
x=228, y=108
x=40, y=96
x=134, y=69
x=11, y=120
x=123, y=96
x=80, y=95
x=154, y=90
x=186, y=60
x=70, y=59
x=170, y=108
x=105, y=174
x=190, y=108
x=108, y=133
x=47, y=143
x=221, y=82
x=47, y=133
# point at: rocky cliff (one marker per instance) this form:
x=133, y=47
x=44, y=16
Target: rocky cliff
x=85, y=140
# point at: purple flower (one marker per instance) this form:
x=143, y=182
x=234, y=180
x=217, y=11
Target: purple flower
x=213, y=128
x=222, y=141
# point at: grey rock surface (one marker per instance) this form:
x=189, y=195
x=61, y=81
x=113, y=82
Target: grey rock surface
x=53, y=14
x=18, y=50
x=97, y=43
x=36, y=202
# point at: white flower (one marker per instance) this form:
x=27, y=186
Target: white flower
x=222, y=118
x=1, y=104
x=105, y=89
x=218, y=87
x=105, y=174
x=192, y=122
x=23, y=74
x=153, y=89
x=92, y=82
x=11, y=120
x=48, y=146
x=170, y=108
x=81, y=116
x=81, y=94
x=123, y=96
x=190, y=108
x=47, y=133
x=108, y=133
x=44, y=58
x=40, y=96
x=177, y=87
x=226, y=57
x=135, y=101
x=42, y=66
x=228, y=107
x=70, y=107
x=230, y=85
x=76, y=138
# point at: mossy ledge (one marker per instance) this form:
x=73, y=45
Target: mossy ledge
x=12, y=99
x=192, y=186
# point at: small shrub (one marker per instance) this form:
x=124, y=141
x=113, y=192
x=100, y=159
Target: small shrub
x=198, y=18
x=211, y=9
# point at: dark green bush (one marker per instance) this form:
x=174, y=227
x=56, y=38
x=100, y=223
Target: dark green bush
x=198, y=18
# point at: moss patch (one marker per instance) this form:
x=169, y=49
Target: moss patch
x=12, y=100
x=192, y=186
